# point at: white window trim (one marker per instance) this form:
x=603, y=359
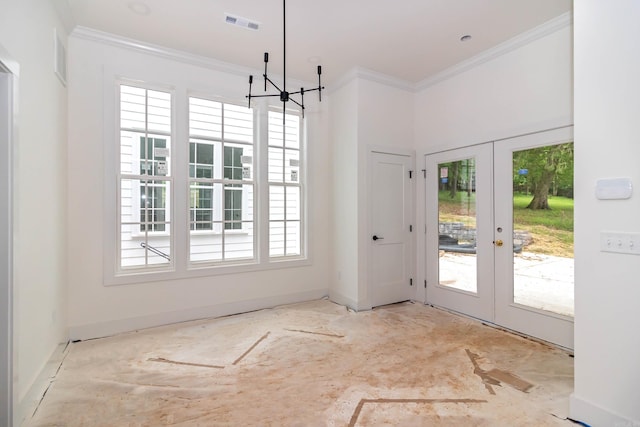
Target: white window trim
x=181, y=268
x=113, y=272
x=218, y=199
x=302, y=184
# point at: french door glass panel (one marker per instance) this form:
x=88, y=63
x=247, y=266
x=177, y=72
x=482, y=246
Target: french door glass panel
x=534, y=220
x=543, y=228
x=457, y=261
x=459, y=239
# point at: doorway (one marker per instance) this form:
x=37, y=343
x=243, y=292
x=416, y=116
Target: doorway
x=391, y=249
x=499, y=246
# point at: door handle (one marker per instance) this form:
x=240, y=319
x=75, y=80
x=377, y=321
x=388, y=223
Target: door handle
x=499, y=243
x=377, y=238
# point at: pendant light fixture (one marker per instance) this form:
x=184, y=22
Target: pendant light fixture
x=284, y=95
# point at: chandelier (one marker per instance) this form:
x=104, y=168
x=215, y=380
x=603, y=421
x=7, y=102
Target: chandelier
x=284, y=95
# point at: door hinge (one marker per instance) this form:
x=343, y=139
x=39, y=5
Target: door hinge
x=424, y=172
x=425, y=283
x=410, y=282
x=410, y=174
x=411, y=229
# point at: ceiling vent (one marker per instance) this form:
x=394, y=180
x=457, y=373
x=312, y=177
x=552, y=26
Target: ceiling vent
x=241, y=22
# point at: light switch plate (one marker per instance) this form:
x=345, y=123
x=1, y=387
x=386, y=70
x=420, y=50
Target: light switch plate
x=620, y=242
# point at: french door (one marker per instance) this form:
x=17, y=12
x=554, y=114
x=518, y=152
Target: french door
x=490, y=254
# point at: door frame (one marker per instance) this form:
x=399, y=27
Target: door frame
x=9, y=72
x=559, y=337
x=369, y=224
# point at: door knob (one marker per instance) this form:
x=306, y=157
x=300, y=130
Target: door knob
x=377, y=238
x=499, y=243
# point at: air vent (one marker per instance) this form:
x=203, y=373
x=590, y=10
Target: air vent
x=241, y=22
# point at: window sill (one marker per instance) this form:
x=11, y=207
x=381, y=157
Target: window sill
x=194, y=270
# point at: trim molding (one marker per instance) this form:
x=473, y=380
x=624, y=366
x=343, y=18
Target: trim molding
x=109, y=39
x=8, y=130
x=587, y=412
x=373, y=76
x=549, y=27
x=8, y=64
x=112, y=327
x=340, y=299
x=512, y=44
x=28, y=405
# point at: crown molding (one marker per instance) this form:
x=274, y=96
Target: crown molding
x=514, y=43
x=373, y=76
x=110, y=39
x=97, y=36
x=549, y=27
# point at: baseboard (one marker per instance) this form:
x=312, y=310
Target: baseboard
x=113, y=327
x=338, y=298
x=594, y=415
x=26, y=407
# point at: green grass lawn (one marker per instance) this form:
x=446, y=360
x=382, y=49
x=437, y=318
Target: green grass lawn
x=552, y=230
x=559, y=217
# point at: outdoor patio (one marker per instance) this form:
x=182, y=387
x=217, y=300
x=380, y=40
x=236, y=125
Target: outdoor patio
x=540, y=281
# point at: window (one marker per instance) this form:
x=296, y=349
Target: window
x=233, y=192
x=201, y=195
x=221, y=181
x=285, y=187
x=152, y=194
x=144, y=178
x=220, y=147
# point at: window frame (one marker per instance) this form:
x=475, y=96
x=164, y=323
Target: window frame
x=285, y=184
x=181, y=267
x=230, y=188
x=136, y=194
x=220, y=184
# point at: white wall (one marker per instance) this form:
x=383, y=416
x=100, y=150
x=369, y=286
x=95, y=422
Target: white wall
x=27, y=34
x=95, y=309
x=365, y=114
x=344, y=179
x=385, y=115
x=526, y=90
x=607, y=129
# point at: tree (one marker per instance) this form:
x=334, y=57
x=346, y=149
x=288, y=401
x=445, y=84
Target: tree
x=544, y=166
x=454, y=172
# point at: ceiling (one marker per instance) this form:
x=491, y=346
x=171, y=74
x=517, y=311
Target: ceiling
x=410, y=40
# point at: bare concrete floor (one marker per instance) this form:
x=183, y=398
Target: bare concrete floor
x=540, y=281
x=313, y=364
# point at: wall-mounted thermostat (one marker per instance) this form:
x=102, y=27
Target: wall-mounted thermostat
x=614, y=188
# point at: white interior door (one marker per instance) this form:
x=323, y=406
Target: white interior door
x=459, y=246
x=391, y=228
